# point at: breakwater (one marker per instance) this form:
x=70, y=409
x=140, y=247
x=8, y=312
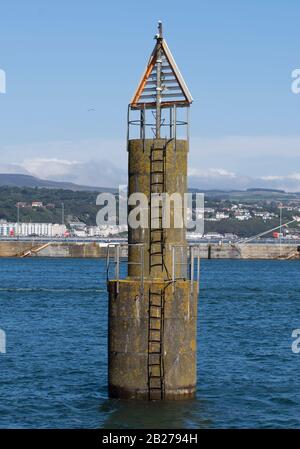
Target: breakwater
x=98, y=250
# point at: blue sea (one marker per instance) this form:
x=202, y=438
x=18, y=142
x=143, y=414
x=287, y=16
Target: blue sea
x=54, y=373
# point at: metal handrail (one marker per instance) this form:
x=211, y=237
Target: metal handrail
x=116, y=261
x=190, y=263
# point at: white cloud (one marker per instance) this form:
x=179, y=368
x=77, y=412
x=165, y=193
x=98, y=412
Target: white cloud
x=103, y=173
x=100, y=173
x=211, y=172
x=49, y=168
x=266, y=161
x=81, y=150
x=210, y=179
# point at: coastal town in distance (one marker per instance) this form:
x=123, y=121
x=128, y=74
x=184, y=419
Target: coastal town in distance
x=65, y=213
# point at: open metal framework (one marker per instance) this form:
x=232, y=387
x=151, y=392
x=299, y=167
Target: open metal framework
x=163, y=93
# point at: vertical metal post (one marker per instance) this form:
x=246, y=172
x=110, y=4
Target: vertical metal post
x=198, y=269
x=158, y=93
x=158, y=80
x=144, y=126
x=141, y=124
x=128, y=125
x=183, y=266
x=171, y=124
x=107, y=262
x=175, y=130
x=188, y=125
x=142, y=266
x=173, y=268
x=117, y=268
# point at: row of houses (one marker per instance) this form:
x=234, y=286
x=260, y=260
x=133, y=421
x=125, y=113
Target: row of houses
x=32, y=229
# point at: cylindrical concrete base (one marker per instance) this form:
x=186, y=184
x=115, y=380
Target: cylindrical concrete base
x=129, y=334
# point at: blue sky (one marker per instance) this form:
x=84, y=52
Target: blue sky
x=65, y=57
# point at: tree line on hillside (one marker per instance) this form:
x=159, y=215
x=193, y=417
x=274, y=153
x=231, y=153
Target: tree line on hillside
x=81, y=205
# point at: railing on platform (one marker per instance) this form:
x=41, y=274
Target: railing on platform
x=117, y=259
x=187, y=258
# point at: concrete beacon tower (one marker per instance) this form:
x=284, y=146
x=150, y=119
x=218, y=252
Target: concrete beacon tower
x=153, y=308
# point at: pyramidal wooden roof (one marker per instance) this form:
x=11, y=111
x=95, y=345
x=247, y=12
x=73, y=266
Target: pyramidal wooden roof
x=174, y=91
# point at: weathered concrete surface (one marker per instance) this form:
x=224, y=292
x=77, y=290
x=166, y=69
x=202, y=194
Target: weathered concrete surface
x=246, y=251
x=139, y=180
x=12, y=249
x=128, y=339
x=81, y=249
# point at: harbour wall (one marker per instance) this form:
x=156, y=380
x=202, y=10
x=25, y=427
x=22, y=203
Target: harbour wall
x=97, y=250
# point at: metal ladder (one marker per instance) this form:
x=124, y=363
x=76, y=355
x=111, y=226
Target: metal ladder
x=155, y=343
x=157, y=186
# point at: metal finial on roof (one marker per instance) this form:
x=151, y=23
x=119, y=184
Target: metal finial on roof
x=160, y=30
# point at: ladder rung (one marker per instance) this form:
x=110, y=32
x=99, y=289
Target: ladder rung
x=155, y=337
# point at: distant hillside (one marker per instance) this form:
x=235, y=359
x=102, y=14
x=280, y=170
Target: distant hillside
x=81, y=205
x=253, y=194
x=249, y=195
x=16, y=180
x=78, y=205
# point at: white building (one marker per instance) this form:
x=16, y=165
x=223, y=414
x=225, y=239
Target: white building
x=105, y=230
x=221, y=216
x=32, y=229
